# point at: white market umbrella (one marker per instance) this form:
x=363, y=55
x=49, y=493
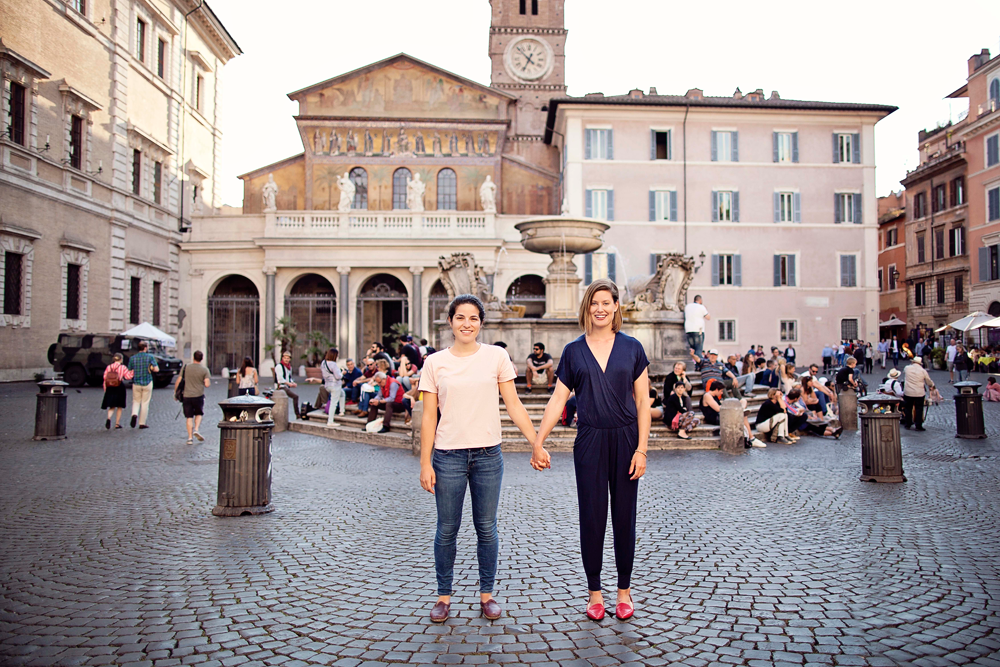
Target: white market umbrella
x=893, y=322
x=992, y=324
x=971, y=321
x=147, y=330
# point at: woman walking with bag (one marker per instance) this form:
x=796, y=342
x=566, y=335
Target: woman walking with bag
x=114, y=390
x=463, y=450
x=607, y=370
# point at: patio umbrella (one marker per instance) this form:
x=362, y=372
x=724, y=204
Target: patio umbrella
x=970, y=321
x=147, y=330
x=893, y=322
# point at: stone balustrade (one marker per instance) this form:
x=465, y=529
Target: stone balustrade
x=380, y=224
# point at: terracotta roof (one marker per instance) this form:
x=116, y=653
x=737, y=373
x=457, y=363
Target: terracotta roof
x=745, y=102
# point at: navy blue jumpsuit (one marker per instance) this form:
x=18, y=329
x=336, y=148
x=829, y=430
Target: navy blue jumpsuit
x=606, y=438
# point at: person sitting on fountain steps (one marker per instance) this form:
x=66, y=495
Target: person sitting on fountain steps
x=538, y=361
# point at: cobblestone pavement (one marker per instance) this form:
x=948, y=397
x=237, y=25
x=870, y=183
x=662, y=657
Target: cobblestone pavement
x=109, y=555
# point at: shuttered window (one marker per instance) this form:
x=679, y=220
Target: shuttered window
x=920, y=294
x=136, y=172
x=939, y=243
x=659, y=145
x=13, y=283
x=157, y=295
x=784, y=270
x=600, y=204
x=158, y=182
x=787, y=207
x=847, y=208
x=663, y=205
x=140, y=40
x=848, y=270
x=993, y=150
x=921, y=249
x=725, y=206
x=598, y=144
x=135, y=300
x=72, y=291
x=725, y=146
x=789, y=331
x=597, y=265
x=959, y=289
x=76, y=143
x=726, y=270
x=17, y=110
x=785, y=146
x=956, y=241
x=846, y=148
x=993, y=204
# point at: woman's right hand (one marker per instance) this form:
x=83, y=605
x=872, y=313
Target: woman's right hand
x=427, y=478
x=540, y=458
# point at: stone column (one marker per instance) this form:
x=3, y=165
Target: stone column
x=344, y=311
x=731, y=426
x=416, y=301
x=269, y=312
x=562, y=287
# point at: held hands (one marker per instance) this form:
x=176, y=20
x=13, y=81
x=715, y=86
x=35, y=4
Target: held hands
x=427, y=478
x=638, y=467
x=540, y=458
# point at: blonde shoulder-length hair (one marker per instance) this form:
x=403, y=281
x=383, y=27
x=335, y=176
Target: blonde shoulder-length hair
x=600, y=285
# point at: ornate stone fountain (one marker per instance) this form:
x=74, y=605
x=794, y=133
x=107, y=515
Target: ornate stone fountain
x=562, y=238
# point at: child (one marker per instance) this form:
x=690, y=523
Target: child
x=992, y=390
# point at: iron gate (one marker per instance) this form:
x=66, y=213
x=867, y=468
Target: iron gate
x=313, y=312
x=233, y=330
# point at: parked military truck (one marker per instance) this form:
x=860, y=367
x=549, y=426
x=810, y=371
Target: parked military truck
x=82, y=357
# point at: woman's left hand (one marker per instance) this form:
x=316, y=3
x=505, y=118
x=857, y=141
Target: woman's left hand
x=638, y=467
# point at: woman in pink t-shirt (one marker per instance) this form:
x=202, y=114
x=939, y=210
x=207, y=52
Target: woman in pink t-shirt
x=463, y=449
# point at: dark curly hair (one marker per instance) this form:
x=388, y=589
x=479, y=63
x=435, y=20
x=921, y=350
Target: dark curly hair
x=463, y=299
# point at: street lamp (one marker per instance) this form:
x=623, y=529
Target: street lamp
x=702, y=258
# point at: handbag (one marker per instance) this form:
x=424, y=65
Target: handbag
x=179, y=389
x=675, y=422
x=374, y=426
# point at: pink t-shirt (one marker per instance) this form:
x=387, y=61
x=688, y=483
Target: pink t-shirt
x=466, y=388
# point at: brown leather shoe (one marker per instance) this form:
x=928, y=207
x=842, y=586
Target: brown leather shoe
x=491, y=609
x=439, y=614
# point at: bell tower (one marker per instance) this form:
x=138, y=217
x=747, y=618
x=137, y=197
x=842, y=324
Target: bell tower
x=527, y=52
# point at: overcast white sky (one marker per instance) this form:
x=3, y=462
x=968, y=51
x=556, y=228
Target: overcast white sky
x=907, y=53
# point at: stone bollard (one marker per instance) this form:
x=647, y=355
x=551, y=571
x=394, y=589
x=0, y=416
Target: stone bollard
x=280, y=410
x=847, y=400
x=731, y=427
x=415, y=423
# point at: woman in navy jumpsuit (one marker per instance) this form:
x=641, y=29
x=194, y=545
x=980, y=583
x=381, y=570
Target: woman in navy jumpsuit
x=607, y=370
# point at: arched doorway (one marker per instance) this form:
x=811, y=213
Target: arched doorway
x=528, y=291
x=312, y=306
x=994, y=309
x=382, y=302
x=233, y=323
x=437, y=302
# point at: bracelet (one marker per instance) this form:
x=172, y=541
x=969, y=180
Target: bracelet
x=639, y=451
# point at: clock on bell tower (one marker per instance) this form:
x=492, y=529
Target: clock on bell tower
x=527, y=51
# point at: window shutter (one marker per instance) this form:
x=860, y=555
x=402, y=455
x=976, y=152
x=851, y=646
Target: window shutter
x=854, y=270
x=588, y=203
x=791, y=270
x=715, y=150
x=736, y=206
x=652, y=144
x=652, y=262
x=777, y=207
x=715, y=206
x=736, y=147
x=715, y=270
x=611, y=144
x=612, y=274
x=836, y=207
x=670, y=147
x=588, y=268
x=984, y=265
x=586, y=144
x=836, y=150
x=856, y=148
x=652, y=206
x=673, y=205
x=844, y=271
x=611, y=205
x=737, y=272
x=795, y=146
x=797, y=205
x=774, y=145
x=858, y=212
x=777, y=270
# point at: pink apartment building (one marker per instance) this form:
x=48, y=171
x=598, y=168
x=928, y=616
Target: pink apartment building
x=775, y=198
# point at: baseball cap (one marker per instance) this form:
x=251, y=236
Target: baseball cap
x=713, y=351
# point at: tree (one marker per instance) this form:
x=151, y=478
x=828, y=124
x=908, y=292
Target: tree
x=285, y=337
x=318, y=345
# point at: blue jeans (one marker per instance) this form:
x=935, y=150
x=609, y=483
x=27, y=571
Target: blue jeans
x=960, y=372
x=481, y=469
x=365, y=397
x=696, y=340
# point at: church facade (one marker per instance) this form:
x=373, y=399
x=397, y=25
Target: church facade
x=402, y=162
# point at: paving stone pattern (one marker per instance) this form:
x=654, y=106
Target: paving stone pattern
x=109, y=555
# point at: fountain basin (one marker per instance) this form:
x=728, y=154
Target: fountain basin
x=558, y=234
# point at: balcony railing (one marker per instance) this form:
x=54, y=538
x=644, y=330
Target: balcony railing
x=380, y=224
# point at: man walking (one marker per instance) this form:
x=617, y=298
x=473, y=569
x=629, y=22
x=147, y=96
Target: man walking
x=915, y=377
x=142, y=365
x=196, y=379
x=950, y=353
x=695, y=315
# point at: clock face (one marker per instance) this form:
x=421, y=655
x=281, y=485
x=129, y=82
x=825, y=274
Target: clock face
x=529, y=58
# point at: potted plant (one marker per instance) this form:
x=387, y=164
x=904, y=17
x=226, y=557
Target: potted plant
x=285, y=337
x=318, y=344
x=937, y=356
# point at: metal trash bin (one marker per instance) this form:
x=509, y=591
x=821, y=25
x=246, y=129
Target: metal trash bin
x=50, y=410
x=234, y=384
x=881, y=448
x=245, y=456
x=969, y=410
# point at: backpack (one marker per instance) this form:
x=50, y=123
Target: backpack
x=112, y=379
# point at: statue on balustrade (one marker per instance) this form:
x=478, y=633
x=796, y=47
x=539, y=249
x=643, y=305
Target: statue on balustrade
x=269, y=194
x=664, y=291
x=347, y=189
x=488, y=195
x=461, y=275
x=415, y=193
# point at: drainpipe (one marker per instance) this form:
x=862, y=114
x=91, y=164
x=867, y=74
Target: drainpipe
x=687, y=108
x=183, y=119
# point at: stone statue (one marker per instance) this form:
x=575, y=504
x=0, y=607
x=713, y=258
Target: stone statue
x=347, y=189
x=488, y=195
x=436, y=143
x=419, y=146
x=665, y=290
x=461, y=275
x=565, y=208
x=415, y=193
x=369, y=143
x=270, y=193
